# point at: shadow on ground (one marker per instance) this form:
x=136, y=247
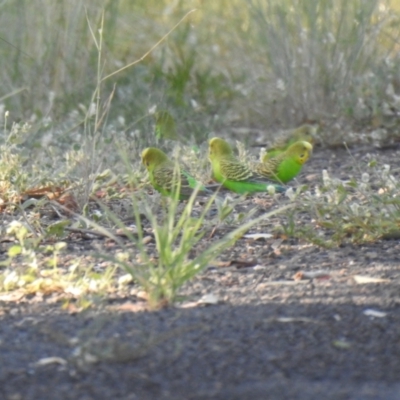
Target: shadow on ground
x=294, y=351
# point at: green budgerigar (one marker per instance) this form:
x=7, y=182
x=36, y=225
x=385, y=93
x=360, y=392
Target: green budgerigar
x=166, y=129
x=165, y=126
x=285, y=139
x=166, y=177
x=234, y=175
x=285, y=166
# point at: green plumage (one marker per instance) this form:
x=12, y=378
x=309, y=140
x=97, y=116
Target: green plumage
x=165, y=126
x=285, y=139
x=166, y=129
x=232, y=174
x=166, y=176
x=287, y=165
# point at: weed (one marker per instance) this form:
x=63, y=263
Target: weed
x=174, y=259
x=356, y=211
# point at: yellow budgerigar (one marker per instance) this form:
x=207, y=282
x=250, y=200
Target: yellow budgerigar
x=233, y=174
x=166, y=177
x=165, y=126
x=284, y=139
x=286, y=165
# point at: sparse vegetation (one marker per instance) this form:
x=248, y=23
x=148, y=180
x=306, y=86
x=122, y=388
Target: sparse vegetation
x=67, y=116
x=178, y=248
x=362, y=209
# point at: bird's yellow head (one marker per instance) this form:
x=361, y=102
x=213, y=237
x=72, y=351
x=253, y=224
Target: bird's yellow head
x=307, y=132
x=218, y=147
x=300, y=151
x=151, y=157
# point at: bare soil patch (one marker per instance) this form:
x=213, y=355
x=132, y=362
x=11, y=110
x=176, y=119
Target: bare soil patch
x=332, y=335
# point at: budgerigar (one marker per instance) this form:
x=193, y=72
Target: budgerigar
x=286, y=165
x=166, y=129
x=283, y=140
x=163, y=174
x=165, y=126
x=234, y=175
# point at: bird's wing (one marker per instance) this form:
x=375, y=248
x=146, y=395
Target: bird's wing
x=272, y=164
x=262, y=169
x=266, y=171
x=166, y=177
x=235, y=170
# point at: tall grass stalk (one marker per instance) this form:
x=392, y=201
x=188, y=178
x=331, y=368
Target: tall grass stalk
x=319, y=57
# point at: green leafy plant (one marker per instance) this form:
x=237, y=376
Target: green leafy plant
x=161, y=270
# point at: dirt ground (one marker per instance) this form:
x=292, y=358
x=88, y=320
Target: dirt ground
x=269, y=336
